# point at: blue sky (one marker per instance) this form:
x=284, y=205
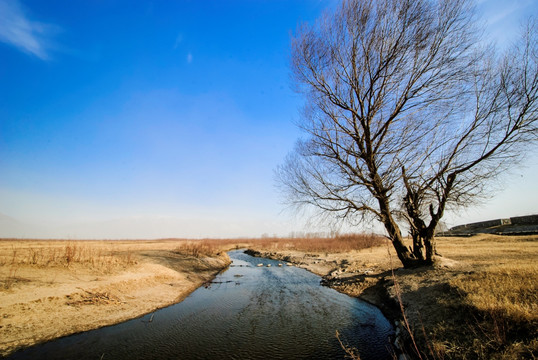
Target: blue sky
x=165, y=118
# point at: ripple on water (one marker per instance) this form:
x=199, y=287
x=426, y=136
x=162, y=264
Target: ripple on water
x=248, y=312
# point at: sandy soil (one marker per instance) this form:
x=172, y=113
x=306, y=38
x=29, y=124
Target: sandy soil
x=39, y=303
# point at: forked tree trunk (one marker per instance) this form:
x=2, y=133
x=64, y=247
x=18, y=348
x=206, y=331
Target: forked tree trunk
x=423, y=250
x=404, y=254
x=422, y=256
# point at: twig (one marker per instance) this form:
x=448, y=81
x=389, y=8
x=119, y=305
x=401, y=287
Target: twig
x=351, y=352
x=400, y=302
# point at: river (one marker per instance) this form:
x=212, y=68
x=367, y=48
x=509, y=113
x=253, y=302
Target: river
x=247, y=312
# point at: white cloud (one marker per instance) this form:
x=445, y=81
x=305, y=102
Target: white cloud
x=17, y=30
x=189, y=58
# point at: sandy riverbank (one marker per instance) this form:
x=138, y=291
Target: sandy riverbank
x=480, y=301
x=50, y=289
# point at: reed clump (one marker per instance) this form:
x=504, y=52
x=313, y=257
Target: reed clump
x=209, y=247
x=327, y=243
x=332, y=243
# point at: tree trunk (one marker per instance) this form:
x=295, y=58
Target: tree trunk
x=417, y=245
x=404, y=254
x=395, y=235
x=429, y=243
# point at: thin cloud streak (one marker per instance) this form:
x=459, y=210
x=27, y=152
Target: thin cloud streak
x=19, y=31
x=179, y=40
x=503, y=14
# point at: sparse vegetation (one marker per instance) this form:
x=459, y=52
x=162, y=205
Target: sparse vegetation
x=480, y=304
x=337, y=243
x=324, y=243
x=65, y=253
x=483, y=306
x=208, y=247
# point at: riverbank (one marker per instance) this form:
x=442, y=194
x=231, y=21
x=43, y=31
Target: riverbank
x=50, y=289
x=480, y=301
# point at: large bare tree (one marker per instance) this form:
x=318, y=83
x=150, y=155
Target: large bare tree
x=407, y=114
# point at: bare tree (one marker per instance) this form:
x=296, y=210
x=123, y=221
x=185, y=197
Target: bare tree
x=406, y=114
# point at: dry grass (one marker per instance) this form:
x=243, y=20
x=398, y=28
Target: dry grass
x=62, y=253
x=313, y=243
x=500, y=294
x=504, y=275
x=18, y=255
x=209, y=247
x=488, y=301
x=509, y=289
x=99, y=257
x=330, y=244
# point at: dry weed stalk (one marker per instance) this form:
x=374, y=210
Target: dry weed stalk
x=11, y=278
x=351, y=352
x=68, y=254
x=398, y=293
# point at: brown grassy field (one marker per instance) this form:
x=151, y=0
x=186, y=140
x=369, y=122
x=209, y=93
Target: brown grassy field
x=497, y=294
x=479, y=302
x=53, y=288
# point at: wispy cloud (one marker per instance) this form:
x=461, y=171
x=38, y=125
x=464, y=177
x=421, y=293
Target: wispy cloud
x=500, y=10
x=17, y=30
x=179, y=39
x=189, y=58
x=502, y=14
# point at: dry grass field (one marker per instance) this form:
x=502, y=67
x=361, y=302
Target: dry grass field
x=53, y=288
x=498, y=292
x=479, y=302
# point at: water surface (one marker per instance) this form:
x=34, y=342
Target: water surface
x=248, y=312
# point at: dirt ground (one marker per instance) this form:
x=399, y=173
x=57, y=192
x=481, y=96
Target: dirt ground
x=50, y=289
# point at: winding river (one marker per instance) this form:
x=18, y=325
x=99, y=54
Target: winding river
x=247, y=312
